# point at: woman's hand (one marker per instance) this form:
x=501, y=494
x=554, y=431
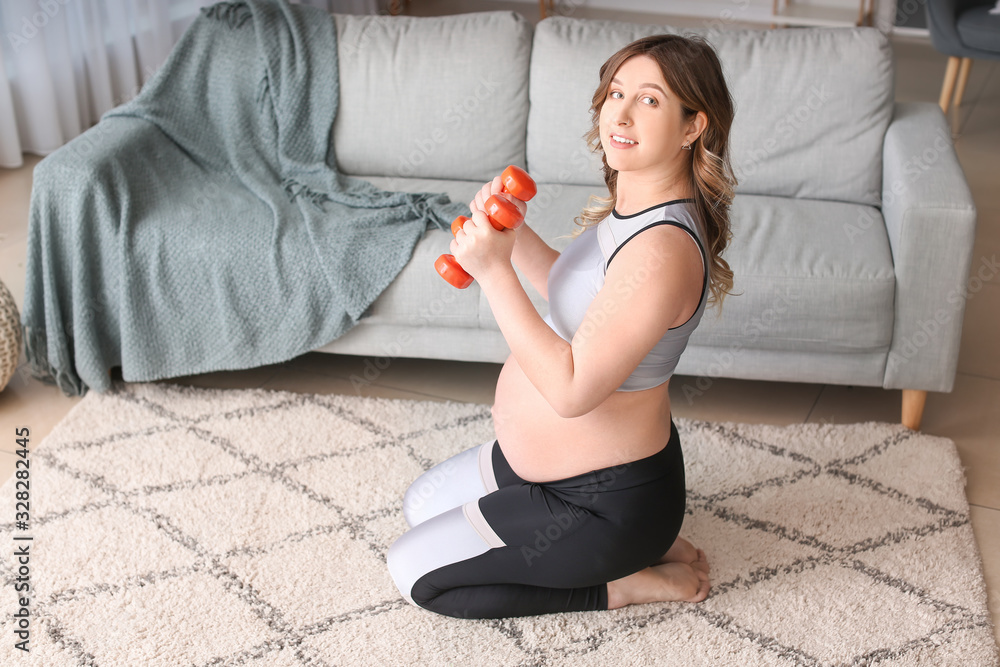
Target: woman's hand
x=482, y=250
x=495, y=187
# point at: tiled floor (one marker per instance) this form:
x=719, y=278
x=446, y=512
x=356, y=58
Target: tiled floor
x=970, y=415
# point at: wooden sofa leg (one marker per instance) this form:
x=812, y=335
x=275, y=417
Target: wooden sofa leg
x=948, y=87
x=913, y=408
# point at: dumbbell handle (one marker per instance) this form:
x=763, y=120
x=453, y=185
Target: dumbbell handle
x=502, y=214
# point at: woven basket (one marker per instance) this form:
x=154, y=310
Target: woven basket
x=10, y=336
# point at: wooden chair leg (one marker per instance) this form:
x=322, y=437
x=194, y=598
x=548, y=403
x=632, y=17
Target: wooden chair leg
x=950, y=75
x=913, y=408
x=963, y=78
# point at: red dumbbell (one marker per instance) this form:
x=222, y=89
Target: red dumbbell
x=502, y=214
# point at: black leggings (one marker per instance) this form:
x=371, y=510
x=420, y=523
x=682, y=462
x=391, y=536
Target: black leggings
x=485, y=543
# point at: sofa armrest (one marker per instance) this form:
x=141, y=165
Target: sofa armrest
x=931, y=222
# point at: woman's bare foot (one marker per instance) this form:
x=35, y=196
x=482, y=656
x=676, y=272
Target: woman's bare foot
x=667, y=582
x=682, y=551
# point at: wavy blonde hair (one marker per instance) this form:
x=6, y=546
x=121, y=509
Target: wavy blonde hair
x=693, y=72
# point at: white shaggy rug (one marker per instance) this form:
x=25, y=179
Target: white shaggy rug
x=181, y=526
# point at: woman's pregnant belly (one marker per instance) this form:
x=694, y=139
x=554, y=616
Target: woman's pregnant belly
x=542, y=446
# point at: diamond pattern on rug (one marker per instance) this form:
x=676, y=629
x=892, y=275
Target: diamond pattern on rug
x=935, y=579
x=90, y=564
x=145, y=462
x=752, y=464
x=930, y=480
x=684, y=639
x=191, y=526
x=347, y=480
x=377, y=637
x=835, y=627
x=733, y=564
x=303, y=575
x=289, y=433
x=118, y=624
x=247, y=511
x=810, y=509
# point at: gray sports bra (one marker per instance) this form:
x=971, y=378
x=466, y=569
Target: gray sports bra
x=578, y=275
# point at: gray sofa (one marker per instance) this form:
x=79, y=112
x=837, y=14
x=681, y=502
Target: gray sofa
x=852, y=227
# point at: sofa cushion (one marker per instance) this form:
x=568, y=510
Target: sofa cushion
x=810, y=276
x=812, y=106
x=437, y=97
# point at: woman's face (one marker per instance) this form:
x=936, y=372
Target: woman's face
x=642, y=125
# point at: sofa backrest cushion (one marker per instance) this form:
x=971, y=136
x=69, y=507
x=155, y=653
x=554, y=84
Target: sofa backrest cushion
x=812, y=105
x=435, y=97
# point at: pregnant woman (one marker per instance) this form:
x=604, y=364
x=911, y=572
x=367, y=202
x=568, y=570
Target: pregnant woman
x=578, y=502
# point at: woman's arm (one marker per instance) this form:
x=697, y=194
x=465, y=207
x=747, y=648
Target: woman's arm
x=648, y=288
x=531, y=254
x=534, y=257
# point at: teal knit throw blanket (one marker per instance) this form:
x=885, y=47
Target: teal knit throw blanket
x=203, y=225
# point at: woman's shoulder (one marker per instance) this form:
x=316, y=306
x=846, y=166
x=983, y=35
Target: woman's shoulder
x=617, y=230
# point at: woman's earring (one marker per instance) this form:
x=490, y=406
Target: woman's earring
x=686, y=146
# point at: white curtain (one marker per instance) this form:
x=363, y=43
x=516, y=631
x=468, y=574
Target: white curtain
x=66, y=62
